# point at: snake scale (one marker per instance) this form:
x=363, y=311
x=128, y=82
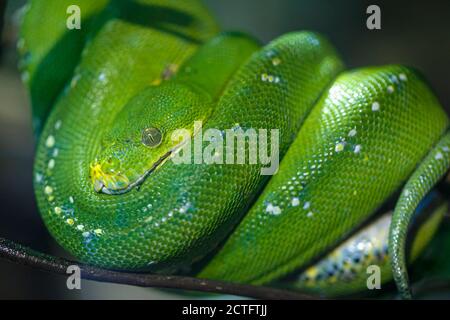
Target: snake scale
x=106, y=100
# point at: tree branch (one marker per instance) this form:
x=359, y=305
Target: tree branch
x=17, y=253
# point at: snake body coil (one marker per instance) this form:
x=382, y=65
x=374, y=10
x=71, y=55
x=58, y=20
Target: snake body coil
x=110, y=194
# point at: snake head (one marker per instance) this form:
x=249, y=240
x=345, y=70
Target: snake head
x=140, y=139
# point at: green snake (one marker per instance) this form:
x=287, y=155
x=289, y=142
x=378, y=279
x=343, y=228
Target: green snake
x=107, y=99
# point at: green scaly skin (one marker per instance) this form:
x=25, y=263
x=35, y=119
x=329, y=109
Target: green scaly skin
x=115, y=203
x=141, y=229
x=359, y=144
x=343, y=271
x=48, y=60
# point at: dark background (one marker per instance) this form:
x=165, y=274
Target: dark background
x=415, y=33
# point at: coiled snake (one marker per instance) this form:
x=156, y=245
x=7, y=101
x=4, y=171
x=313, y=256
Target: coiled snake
x=107, y=99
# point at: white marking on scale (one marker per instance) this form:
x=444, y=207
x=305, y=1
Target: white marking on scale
x=275, y=210
x=50, y=142
x=403, y=77
x=339, y=147
x=51, y=163
x=375, y=106
x=58, y=124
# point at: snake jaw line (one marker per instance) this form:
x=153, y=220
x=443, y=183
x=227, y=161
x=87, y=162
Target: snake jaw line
x=98, y=176
x=102, y=180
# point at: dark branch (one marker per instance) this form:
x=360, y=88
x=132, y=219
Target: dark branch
x=17, y=253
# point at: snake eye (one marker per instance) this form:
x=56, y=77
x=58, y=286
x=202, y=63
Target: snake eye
x=151, y=137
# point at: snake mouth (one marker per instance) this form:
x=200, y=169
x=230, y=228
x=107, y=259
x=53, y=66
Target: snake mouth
x=100, y=187
x=103, y=189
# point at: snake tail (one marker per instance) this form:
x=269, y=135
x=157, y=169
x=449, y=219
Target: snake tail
x=429, y=172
